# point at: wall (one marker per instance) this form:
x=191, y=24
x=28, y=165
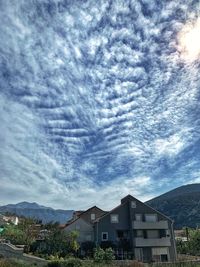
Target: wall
x=9, y=251
x=84, y=229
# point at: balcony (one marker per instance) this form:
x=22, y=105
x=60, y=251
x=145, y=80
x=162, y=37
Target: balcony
x=152, y=242
x=139, y=225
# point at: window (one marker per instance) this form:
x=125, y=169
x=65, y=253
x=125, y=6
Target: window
x=138, y=217
x=114, y=218
x=151, y=217
x=92, y=217
x=160, y=254
x=121, y=234
x=162, y=233
x=104, y=236
x=133, y=204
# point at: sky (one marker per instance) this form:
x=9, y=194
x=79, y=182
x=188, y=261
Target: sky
x=98, y=99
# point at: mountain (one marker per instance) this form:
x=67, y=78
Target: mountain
x=34, y=210
x=181, y=204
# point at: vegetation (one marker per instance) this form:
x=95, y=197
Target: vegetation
x=54, y=243
x=57, y=243
x=67, y=263
x=104, y=256
x=21, y=234
x=192, y=246
x=14, y=263
x=88, y=248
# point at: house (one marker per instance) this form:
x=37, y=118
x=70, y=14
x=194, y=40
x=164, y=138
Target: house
x=140, y=229
x=133, y=229
x=8, y=219
x=83, y=221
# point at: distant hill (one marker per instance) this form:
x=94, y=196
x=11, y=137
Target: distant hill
x=34, y=210
x=181, y=204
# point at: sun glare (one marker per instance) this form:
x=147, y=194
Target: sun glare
x=189, y=41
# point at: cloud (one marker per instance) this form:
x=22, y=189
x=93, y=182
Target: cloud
x=96, y=101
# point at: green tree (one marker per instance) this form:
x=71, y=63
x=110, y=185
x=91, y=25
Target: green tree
x=60, y=243
x=15, y=235
x=194, y=242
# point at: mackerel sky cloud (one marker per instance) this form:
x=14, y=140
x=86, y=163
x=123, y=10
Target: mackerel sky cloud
x=97, y=100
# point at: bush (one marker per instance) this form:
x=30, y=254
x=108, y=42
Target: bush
x=88, y=248
x=103, y=256
x=72, y=263
x=67, y=263
x=99, y=255
x=14, y=263
x=108, y=255
x=54, y=264
x=107, y=244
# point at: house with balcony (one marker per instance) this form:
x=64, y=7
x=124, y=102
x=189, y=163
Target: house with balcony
x=135, y=227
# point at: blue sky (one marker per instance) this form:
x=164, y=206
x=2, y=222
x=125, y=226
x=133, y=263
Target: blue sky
x=97, y=101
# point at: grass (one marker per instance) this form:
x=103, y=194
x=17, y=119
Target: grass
x=16, y=263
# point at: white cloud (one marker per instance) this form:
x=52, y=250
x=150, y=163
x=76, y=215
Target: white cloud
x=95, y=94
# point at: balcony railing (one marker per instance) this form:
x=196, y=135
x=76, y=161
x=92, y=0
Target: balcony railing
x=150, y=225
x=152, y=242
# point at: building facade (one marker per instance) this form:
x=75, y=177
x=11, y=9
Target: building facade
x=83, y=223
x=131, y=228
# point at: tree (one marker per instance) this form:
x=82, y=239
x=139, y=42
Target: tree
x=14, y=235
x=192, y=246
x=194, y=243
x=59, y=243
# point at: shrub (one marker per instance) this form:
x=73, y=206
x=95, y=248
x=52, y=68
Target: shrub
x=109, y=255
x=88, y=248
x=72, y=263
x=54, y=264
x=103, y=256
x=107, y=244
x=99, y=255
x=14, y=263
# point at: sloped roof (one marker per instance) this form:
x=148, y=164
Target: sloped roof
x=80, y=216
x=123, y=203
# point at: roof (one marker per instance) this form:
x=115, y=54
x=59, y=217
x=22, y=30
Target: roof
x=122, y=203
x=90, y=209
x=108, y=212
x=79, y=216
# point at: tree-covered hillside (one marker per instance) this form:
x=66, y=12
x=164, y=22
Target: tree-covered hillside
x=181, y=204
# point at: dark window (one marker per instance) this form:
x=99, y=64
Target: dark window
x=104, y=236
x=164, y=257
x=162, y=233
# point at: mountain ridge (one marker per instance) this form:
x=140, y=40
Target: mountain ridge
x=36, y=211
x=181, y=204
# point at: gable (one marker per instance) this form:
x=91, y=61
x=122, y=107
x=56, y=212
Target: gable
x=79, y=225
x=92, y=214
x=140, y=207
